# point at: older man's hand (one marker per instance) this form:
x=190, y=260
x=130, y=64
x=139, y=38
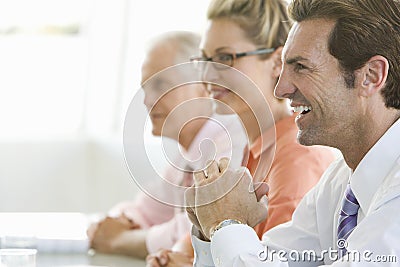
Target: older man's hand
x=168, y=258
x=222, y=194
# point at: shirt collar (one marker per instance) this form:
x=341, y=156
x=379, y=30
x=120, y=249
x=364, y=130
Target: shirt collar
x=375, y=166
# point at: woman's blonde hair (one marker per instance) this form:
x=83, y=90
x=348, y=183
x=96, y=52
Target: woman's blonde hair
x=265, y=22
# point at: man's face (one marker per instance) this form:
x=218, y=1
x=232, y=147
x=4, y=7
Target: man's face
x=161, y=96
x=311, y=78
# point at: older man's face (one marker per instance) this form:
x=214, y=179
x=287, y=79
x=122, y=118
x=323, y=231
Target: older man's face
x=163, y=99
x=312, y=80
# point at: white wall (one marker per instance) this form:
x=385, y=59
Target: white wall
x=62, y=175
x=43, y=175
x=63, y=98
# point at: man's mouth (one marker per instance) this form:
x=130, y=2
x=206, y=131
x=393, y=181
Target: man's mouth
x=302, y=109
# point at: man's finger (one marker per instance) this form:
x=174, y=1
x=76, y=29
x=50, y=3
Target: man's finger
x=199, y=177
x=223, y=164
x=189, y=196
x=190, y=207
x=264, y=201
x=262, y=213
x=261, y=189
x=212, y=170
x=151, y=261
x=162, y=256
x=92, y=230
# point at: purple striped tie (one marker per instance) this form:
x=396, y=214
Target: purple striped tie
x=347, y=219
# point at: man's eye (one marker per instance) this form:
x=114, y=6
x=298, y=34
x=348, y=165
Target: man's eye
x=299, y=66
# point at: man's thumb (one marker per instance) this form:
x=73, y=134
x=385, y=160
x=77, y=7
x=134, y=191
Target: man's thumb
x=261, y=189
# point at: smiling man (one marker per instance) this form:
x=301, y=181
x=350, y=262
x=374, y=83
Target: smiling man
x=341, y=72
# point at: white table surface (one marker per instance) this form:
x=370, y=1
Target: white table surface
x=81, y=260
x=59, y=237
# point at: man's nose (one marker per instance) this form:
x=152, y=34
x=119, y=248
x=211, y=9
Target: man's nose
x=284, y=88
x=150, y=98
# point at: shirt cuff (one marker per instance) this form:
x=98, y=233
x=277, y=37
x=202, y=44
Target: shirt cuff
x=232, y=241
x=202, y=251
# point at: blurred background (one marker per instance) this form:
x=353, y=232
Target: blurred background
x=69, y=69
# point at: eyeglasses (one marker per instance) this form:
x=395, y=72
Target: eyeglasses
x=227, y=60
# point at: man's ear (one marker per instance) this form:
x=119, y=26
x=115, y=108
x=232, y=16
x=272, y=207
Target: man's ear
x=277, y=60
x=373, y=75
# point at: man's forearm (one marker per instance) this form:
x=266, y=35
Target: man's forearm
x=132, y=243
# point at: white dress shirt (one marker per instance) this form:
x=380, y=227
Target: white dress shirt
x=313, y=230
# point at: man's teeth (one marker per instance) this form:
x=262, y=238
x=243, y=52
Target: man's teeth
x=302, y=109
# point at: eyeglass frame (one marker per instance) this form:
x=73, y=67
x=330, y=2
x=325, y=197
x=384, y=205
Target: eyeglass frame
x=260, y=51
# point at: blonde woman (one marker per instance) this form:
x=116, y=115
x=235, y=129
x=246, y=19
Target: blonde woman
x=248, y=36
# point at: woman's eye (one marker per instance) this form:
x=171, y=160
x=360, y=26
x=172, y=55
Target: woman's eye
x=224, y=57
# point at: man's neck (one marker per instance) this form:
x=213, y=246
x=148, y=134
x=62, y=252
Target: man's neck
x=354, y=151
x=189, y=132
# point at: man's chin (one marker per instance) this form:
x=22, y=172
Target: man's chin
x=309, y=138
x=156, y=132
x=303, y=139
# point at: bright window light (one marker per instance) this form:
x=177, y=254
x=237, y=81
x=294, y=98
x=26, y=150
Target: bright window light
x=70, y=67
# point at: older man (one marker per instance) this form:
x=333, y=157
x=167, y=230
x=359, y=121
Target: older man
x=341, y=61
x=146, y=225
